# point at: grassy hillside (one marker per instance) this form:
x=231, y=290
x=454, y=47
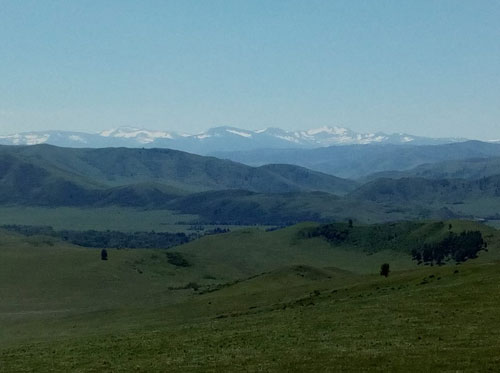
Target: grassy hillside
x=439, y=199
x=420, y=190
x=249, y=252
x=77, y=312
x=475, y=168
x=113, y=167
x=231, y=193
x=307, y=179
x=25, y=182
x=244, y=207
x=367, y=246
x=55, y=268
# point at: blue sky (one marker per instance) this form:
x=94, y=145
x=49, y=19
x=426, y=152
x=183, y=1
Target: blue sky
x=423, y=67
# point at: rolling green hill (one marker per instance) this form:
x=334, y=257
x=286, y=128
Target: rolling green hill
x=214, y=191
x=475, y=168
x=420, y=190
x=310, y=180
x=114, y=167
x=55, y=266
x=244, y=207
x=366, y=246
x=25, y=182
x=249, y=300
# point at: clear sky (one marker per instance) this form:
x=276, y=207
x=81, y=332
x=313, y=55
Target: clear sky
x=423, y=67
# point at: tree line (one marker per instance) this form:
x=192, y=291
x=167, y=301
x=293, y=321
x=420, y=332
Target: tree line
x=109, y=239
x=432, y=247
x=458, y=247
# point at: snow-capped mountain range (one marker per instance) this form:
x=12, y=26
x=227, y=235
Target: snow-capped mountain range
x=216, y=139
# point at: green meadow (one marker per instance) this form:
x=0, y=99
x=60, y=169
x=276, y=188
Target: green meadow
x=123, y=219
x=248, y=300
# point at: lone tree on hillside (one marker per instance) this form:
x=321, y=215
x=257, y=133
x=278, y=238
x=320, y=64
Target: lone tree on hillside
x=384, y=270
x=349, y=223
x=104, y=254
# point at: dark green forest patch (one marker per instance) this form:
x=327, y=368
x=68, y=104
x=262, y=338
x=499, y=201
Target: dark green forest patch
x=428, y=242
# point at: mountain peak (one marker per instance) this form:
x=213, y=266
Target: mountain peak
x=225, y=130
x=329, y=130
x=142, y=135
x=222, y=138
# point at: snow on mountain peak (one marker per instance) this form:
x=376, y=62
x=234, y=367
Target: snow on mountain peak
x=239, y=133
x=142, y=135
x=77, y=138
x=26, y=138
x=224, y=130
x=107, y=133
x=328, y=130
x=217, y=139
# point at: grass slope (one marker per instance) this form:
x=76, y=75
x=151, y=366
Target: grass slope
x=130, y=277
x=139, y=276
x=475, y=168
x=231, y=193
x=269, y=301
x=432, y=319
x=112, y=167
x=427, y=192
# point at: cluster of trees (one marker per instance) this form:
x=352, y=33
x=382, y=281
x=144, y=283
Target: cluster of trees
x=109, y=239
x=458, y=247
x=411, y=237
x=122, y=240
x=31, y=230
x=275, y=228
x=370, y=238
x=216, y=230
x=332, y=232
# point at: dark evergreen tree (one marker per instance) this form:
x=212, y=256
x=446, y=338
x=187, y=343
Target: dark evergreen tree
x=104, y=254
x=384, y=270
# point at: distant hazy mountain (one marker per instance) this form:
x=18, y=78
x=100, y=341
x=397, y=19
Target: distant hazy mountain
x=50, y=175
x=428, y=191
x=216, y=139
x=224, y=191
x=475, y=168
x=357, y=161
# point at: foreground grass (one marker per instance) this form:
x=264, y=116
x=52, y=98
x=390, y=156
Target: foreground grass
x=266, y=302
x=432, y=319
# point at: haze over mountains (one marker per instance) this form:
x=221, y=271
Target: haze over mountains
x=219, y=190
x=358, y=161
x=270, y=176
x=217, y=139
x=44, y=174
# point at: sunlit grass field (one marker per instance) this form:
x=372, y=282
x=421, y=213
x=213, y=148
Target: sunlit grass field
x=262, y=302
